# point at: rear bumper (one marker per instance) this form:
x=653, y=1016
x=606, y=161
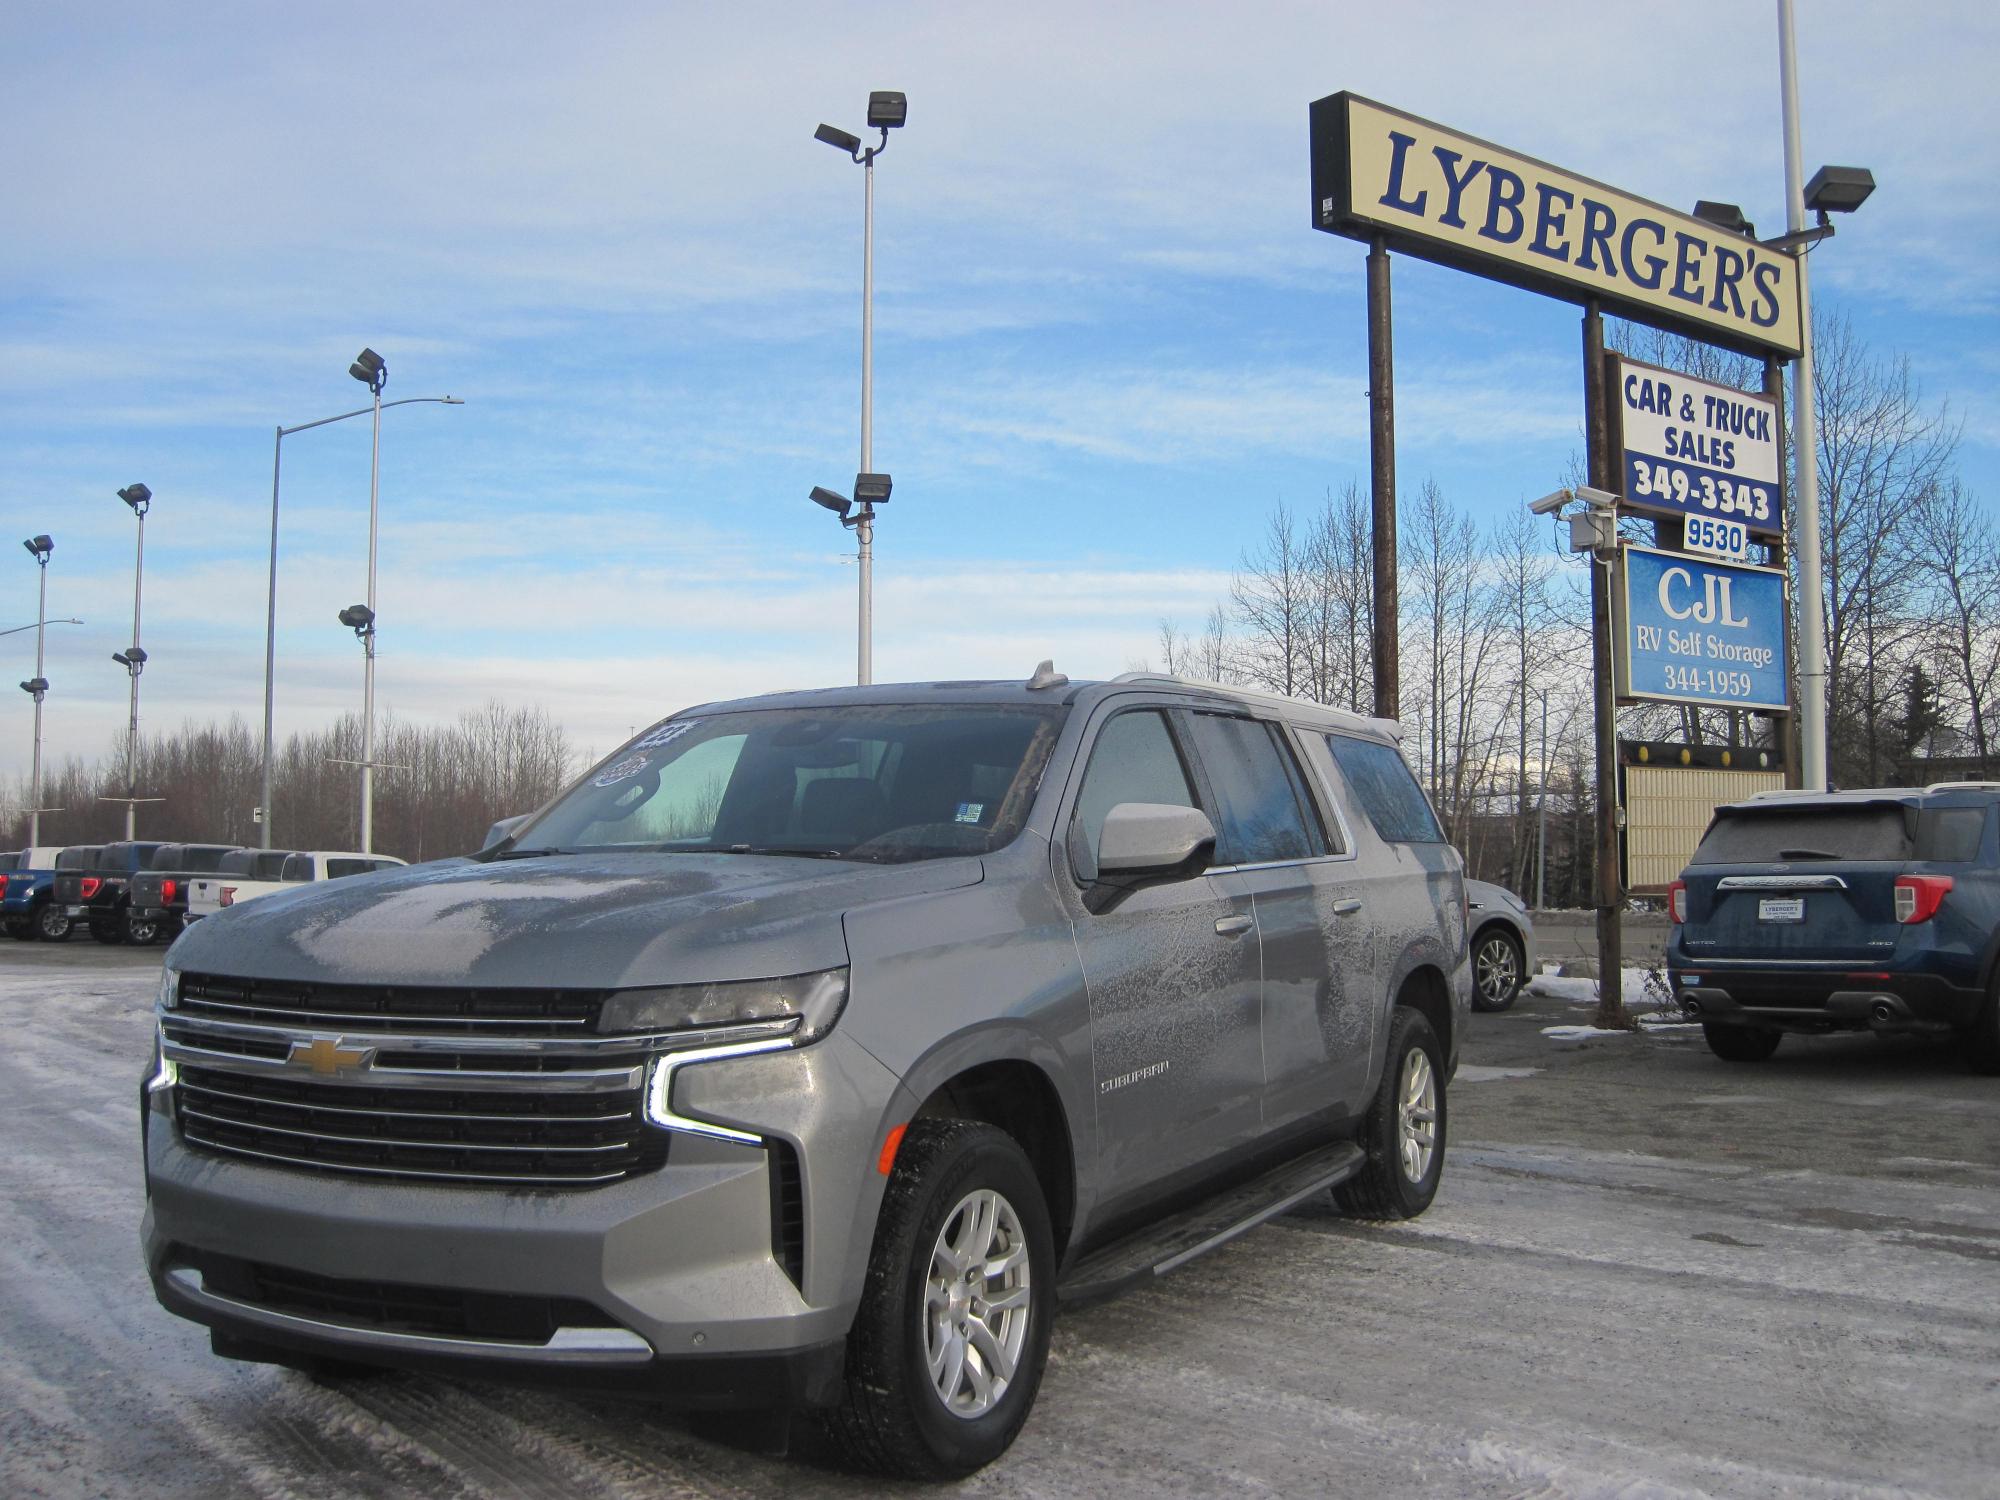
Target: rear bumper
x=1823, y=1000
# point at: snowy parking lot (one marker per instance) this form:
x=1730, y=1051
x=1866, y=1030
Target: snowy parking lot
x=1648, y=1273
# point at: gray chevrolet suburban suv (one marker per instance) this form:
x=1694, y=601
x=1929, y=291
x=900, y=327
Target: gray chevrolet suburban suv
x=812, y=1047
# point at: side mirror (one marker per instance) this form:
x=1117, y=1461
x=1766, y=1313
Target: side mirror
x=504, y=829
x=1151, y=838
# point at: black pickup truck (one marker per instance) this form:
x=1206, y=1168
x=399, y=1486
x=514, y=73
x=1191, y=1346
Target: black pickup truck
x=156, y=909
x=96, y=887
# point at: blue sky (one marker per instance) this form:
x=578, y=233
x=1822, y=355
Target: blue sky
x=1107, y=341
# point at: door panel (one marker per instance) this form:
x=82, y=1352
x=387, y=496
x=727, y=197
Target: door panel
x=1320, y=982
x=1175, y=1045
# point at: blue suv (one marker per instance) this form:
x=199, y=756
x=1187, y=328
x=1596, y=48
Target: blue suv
x=1873, y=910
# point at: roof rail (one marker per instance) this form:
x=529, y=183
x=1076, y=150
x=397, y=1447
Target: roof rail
x=1963, y=786
x=1276, y=700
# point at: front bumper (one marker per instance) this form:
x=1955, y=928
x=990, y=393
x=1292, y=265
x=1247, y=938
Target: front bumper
x=1819, y=1000
x=676, y=1270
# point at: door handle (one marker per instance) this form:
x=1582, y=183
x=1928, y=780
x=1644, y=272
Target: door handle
x=1231, y=926
x=1346, y=908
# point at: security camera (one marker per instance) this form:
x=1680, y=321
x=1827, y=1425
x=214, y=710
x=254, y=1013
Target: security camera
x=1548, y=505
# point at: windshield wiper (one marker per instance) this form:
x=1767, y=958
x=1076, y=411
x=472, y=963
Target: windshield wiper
x=1807, y=854
x=529, y=853
x=800, y=851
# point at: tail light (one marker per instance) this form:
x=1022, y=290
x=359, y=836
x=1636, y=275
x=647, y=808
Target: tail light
x=228, y=896
x=1918, y=896
x=1677, y=901
x=90, y=886
x=3, y=887
x=168, y=890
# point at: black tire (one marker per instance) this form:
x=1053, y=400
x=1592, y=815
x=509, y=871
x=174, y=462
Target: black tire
x=52, y=923
x=111, y=933
x=1982, y=1038
x=1499, y=969
x=1385, y=1188
x=891, y=1419
x=143, y=933
x=1741, y=1043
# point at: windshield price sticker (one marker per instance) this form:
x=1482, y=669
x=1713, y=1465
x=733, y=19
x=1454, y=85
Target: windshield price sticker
x=1694, y=631
x=1688, y=447
x=1730, y=539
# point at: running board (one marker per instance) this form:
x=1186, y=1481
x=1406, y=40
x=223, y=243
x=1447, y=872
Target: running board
x=1178, y=1239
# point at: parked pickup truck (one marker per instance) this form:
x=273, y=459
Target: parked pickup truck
x=95, y=888
x=159, y=899
x=244, y=874
x=27, y=879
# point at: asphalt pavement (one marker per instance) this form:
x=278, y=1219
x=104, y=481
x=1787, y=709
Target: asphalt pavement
x=1648, y=1273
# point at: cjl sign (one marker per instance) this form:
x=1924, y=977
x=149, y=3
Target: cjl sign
x=1691, y=448
x=1696, y=631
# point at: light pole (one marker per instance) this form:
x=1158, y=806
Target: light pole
x=133, y=659
x=271, y=592
x=372, y=371
x=887, y=111
x=39, y=548
x=1839, y=190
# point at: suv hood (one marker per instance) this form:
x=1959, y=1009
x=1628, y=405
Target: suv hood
x=568, y=920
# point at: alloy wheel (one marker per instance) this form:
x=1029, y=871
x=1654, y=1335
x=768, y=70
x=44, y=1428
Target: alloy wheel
x=1417, y=1114
x=976, y=1304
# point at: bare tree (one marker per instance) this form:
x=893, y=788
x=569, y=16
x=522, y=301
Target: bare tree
x=1272, y=594
x=1959, y=555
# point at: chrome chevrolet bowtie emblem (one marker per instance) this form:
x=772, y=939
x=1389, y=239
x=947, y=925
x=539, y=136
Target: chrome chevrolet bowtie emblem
x=326, y=1057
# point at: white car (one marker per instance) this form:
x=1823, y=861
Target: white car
x=246, y=874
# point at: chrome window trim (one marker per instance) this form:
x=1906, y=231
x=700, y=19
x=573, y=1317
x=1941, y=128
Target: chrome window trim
x=1781, y=883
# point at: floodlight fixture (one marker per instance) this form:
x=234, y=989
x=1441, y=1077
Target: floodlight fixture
x=137, y=496
x=871, y=489
x=1725, y=216
x=133, y=659
x=36, y=686
x=370, y=369
x=1839, y=190
x=838, y=504
x=834, y=136
x=359, y=618
x=39, y=548
x=887, y=109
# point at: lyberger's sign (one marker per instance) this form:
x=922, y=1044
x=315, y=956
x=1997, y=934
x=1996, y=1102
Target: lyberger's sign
x=1446, y=197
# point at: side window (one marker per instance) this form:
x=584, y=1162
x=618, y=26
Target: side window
x=1950, y=835
x=335, y=868
x=1134, y=760
x=1386, y=790
x=1258, y=791
x=295, y=867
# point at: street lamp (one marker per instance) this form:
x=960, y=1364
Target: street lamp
x=887, y=110
x=134, y=660
x=39, y=548
x=1832, y=190
x=271, y=593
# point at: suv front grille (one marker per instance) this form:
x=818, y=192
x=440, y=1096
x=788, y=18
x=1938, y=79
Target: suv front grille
x=527, y=1138
x=488, y=1087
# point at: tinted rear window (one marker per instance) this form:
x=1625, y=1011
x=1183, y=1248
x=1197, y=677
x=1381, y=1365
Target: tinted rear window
x=82, y=858
x=1386, y=790
x=1950, y=835
x=1850, y=833
x=201, y=859
x=10, y=859
x=1262, y=818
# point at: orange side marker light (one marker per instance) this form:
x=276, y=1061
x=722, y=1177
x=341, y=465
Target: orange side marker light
x=886, y=1162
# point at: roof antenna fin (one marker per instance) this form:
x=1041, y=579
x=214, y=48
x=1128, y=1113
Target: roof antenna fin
x=1046, y=676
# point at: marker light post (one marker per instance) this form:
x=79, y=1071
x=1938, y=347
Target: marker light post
x=887, y=110
x=133, y=659
x=39, y=548
x=271, y=593
x=370, y=368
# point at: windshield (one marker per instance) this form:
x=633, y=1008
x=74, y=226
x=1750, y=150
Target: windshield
x=1868, y=831
x=886, y=784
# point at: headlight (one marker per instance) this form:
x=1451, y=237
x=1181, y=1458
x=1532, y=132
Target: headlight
x=170, y=989
x=815, y=999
